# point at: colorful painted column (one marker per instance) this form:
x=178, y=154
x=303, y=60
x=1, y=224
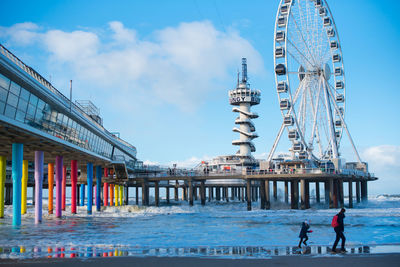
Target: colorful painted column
x=39, y=156
x=17, y=156
x=111, y=195
x=121, y=194
x=74, y=180
x=90, y=187
x=50, y=181
x=116, y=191
x=59, y=176
x=105, y=188
x=82, y=195
x=98, y=188
x=24, y=186
x=2, y=183
x=64, y=187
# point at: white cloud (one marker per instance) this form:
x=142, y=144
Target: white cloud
x=20, y=33
x=383, y=156
x=176, y=65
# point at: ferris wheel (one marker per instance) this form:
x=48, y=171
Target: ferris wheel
x=310, y=79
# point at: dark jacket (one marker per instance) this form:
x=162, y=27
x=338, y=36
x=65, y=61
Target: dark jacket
x=340, y=218
x=304, y=230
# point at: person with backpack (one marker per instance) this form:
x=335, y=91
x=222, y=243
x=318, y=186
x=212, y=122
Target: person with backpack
x=338, y=226
x=303, y=233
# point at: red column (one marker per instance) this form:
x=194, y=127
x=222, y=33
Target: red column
x=105, y=188
x=64, y=186
x=74, y=180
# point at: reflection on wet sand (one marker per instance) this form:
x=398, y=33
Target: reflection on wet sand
x=228, y=252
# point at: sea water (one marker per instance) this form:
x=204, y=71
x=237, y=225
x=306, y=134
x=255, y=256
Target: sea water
x=216, y=229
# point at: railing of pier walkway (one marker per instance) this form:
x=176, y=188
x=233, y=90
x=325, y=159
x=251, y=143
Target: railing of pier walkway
x=67, y=102
x=195, y=172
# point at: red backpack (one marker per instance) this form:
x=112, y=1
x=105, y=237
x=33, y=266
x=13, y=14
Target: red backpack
x=334, y=221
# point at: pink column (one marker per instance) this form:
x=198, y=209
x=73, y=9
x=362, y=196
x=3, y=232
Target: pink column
x=38, y=185
x=59, y=170
x=74, y=179
x=64, y=186
x=105, y=188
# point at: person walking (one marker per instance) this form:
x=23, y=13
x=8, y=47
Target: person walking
x=303, y=233
x=338, y=226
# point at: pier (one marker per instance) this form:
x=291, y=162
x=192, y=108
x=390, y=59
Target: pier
x=50, y=142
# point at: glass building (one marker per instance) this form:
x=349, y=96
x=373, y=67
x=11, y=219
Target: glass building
x=27, y=98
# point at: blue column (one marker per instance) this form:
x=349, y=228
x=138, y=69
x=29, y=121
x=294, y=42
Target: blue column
x=90, y=187
x=82, y=194
x=17, y=156
x=98, y=187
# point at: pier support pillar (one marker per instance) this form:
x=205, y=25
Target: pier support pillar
x=341, y=194
x=39, y=158
x=137, y=194
x=126, y=194
x=59, y=178
x=262, y=194
x=24, y=186
x=144, y=185
x=82, y=195
x=267, y=195
x=202, y=193
x=294, y=194
x=190, y=192
x=226, y=194
x=89, y=172
x=50, y=183
x=209, y=193
x=218, y=193
x=17, y=156
x=248, y=194
x=232, y=193
x=74, y=180
x=317, y=193
x=350, y=194
x=121, y=195
x=364, y=192
x=286, y=192
x=176, y=192
x=303, y=194
x=326, y=194
x=111, y=194
x=3, y=164
x=78, y=186
x=105, y=188
x=98, y=187
x=8, y=200
x=156, y=193
x=167, y=193
x=185, y=193
x=335, y=190
x=358, y=198
x=116, y=195
x=275, y=189
x=307, y=194
x=64, y=187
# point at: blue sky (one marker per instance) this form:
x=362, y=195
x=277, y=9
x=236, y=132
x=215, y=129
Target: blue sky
x=160, y=71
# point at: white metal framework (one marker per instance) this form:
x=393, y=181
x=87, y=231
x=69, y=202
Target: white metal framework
x=310, y=80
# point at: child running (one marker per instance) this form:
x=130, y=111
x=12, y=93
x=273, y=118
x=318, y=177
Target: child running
x=303, y=233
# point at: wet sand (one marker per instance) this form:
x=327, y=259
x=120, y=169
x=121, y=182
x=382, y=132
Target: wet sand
x=392, y=259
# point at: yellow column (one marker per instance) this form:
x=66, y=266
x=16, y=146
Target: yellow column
x=116, y=191
x=24, y=185
x=2, y=183
x=121, y=194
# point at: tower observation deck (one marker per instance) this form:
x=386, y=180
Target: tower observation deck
x=242, y=98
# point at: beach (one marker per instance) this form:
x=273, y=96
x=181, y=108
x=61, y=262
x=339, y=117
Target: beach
x=300, y=261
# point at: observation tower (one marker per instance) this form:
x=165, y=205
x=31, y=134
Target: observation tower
x=242, y=98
